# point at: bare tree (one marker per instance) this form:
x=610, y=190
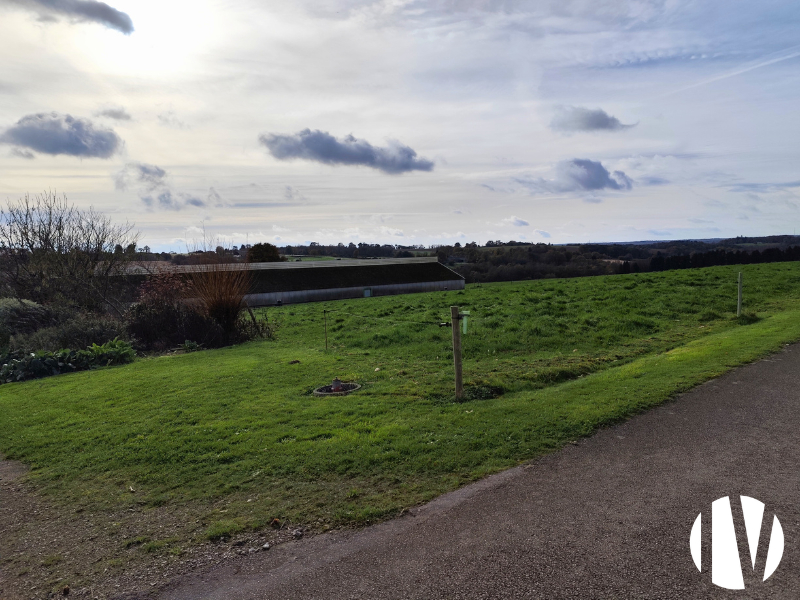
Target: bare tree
x=51, y=251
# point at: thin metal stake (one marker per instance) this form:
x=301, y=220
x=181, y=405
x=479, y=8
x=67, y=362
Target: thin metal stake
x=325, y=316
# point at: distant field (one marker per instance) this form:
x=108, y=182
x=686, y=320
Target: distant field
x=310, y=258
x=214, y=429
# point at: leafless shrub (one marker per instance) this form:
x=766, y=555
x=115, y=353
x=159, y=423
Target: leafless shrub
x=51, y=251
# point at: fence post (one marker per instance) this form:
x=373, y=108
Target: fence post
x=456, y=317
x=739, y=302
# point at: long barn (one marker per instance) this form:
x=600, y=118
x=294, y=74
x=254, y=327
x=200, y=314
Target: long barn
x=313, y=281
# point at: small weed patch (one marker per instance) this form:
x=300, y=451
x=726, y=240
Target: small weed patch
x=52, y=560
x=137, y=541
x=223, y=530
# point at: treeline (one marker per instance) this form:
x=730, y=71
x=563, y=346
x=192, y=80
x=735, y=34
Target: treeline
x=528, y=261
x=714, y=258
x=351, y=250
x=522, y=261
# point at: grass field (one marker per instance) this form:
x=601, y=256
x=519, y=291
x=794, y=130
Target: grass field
x=236, y=434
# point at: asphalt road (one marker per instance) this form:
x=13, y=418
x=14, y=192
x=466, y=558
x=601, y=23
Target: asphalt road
x=609, y=517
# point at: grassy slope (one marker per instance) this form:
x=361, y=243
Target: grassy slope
x=217, y=428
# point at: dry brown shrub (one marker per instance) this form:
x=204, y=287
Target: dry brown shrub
x=219, y=292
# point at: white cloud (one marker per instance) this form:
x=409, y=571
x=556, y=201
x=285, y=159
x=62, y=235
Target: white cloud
x=515, y=221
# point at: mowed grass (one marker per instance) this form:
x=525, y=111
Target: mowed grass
x=237, y=434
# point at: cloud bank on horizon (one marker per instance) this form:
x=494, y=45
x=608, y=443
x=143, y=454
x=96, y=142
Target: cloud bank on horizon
x=81, y=11
x=320, y=146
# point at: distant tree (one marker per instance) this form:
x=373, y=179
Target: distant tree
x=263, y=253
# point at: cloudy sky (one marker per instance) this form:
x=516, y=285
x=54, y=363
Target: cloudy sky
x=406, y=121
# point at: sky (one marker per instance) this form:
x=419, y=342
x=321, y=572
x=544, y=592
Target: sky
x=407, y=122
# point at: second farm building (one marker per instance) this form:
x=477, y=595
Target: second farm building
x=313, y=281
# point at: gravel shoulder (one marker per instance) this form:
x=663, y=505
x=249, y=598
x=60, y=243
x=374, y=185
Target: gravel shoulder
x=47, y=546
x=608, y=517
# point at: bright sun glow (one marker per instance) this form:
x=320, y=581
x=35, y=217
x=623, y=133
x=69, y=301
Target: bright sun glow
x=170, y=37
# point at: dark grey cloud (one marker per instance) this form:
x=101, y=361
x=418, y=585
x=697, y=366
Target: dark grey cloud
x=54, y=133
x=169, y=200
x=576, y=118
x=578, y=175
x=320, y=146
x=140, y=175
x=117, y=113
x=591, y=175
x=80, y=10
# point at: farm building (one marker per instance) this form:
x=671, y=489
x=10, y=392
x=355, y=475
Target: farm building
x=313, y=281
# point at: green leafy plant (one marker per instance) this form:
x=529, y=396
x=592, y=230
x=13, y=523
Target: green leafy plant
x=190, y=346
x=114, y=352
x=18, y=366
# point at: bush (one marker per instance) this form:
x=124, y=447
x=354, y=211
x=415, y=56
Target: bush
x=78, y=332
x=19, y=366
x=24, y=316
x=206, y=310
x=160, y=327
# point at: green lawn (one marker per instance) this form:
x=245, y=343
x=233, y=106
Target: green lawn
x=222, y=427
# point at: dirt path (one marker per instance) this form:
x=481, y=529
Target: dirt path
x=609, y=517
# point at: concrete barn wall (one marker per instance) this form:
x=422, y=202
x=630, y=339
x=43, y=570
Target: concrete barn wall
x=351, y=292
